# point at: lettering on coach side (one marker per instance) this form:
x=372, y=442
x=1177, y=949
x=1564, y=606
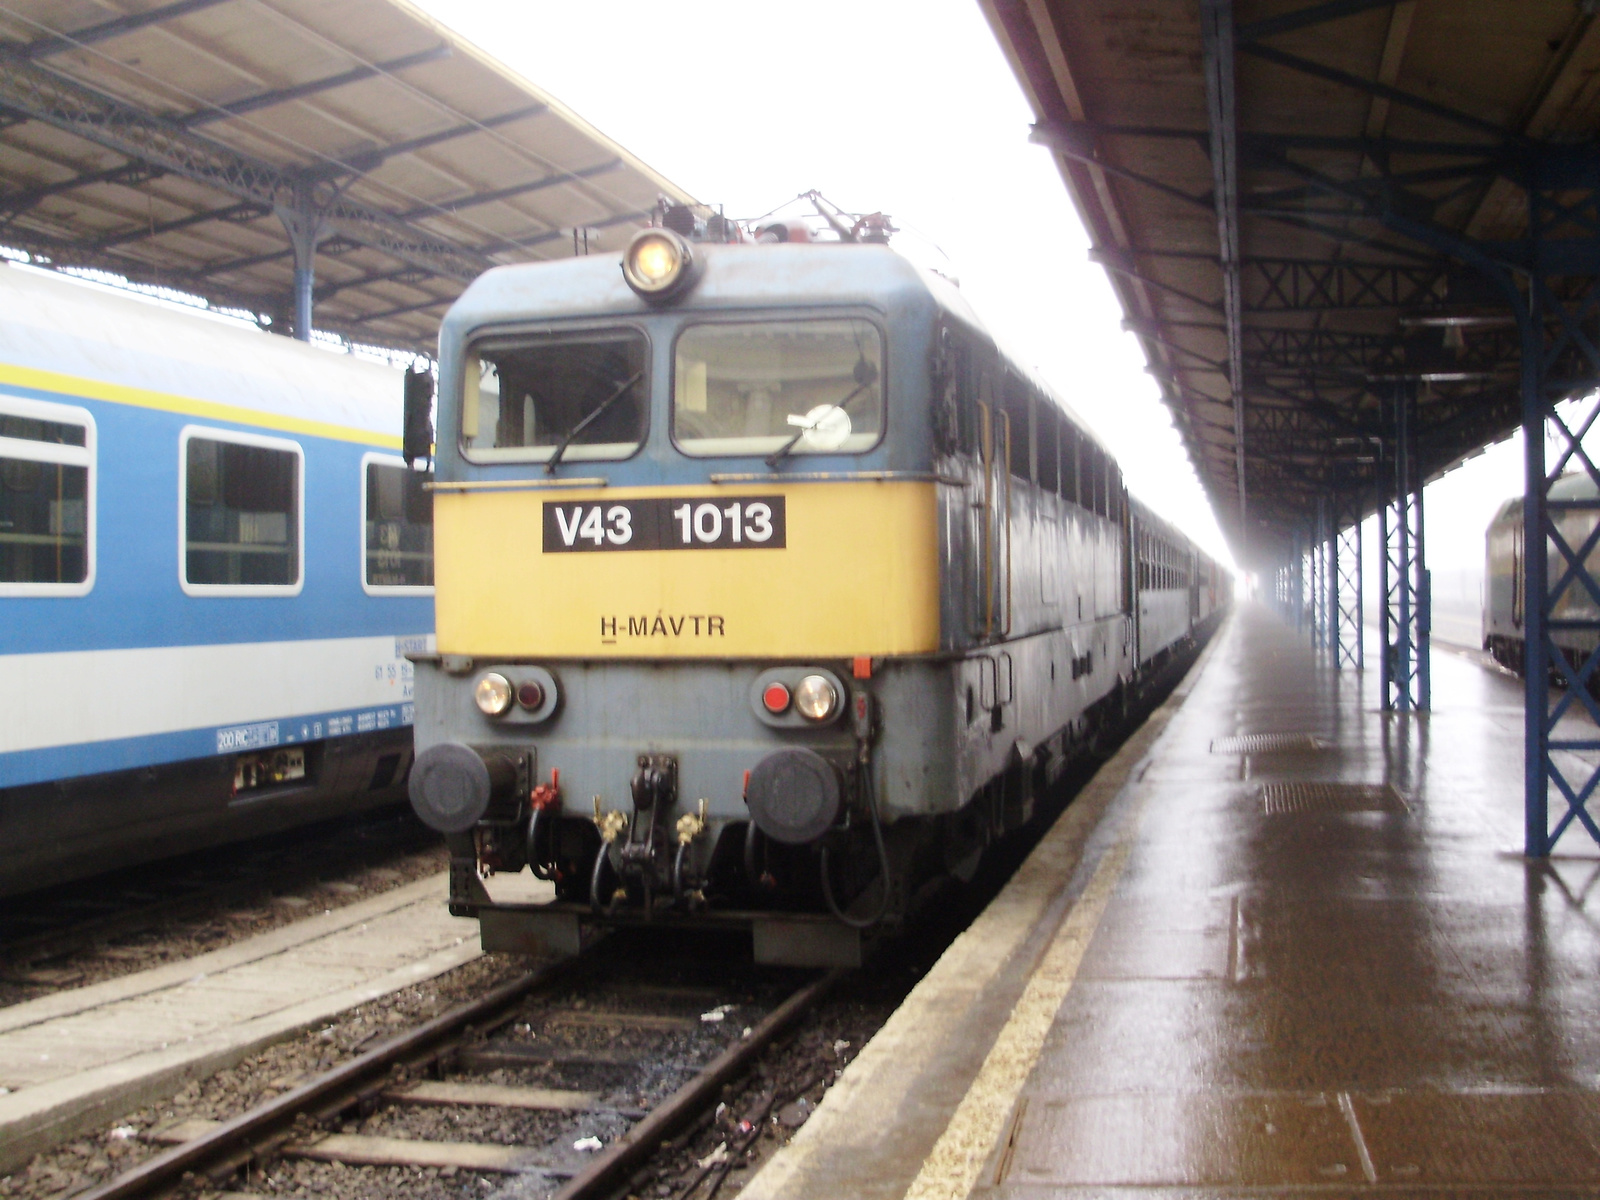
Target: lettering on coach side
x=699, y=625
x=712, y=523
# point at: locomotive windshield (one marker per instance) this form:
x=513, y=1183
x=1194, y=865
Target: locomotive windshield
x=556, y=397
x=778, y=387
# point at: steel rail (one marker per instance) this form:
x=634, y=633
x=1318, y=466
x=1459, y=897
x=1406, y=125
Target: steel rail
x=277, y=1114
x=625, y=1154
x=255, y=1130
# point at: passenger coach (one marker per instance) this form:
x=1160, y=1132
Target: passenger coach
x=213, y=561
x=768, y=590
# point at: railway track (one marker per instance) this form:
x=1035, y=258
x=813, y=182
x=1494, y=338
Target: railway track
x=566, y=1079
x=79, y=932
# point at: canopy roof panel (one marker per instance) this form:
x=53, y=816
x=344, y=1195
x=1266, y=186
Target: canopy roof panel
x=170, y=142
x=1289, y=197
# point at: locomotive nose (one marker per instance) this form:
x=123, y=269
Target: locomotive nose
x=794, y=796
x=453, y=785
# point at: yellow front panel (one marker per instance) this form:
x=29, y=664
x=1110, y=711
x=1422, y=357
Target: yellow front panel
x=858, y=575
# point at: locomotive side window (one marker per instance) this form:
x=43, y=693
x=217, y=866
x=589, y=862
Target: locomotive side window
x=1048, y=446
x=577, y=396
x=1015, y=403
x=1069, y=462
x=778, y=387
x=47, y=466
x=240, y=523
x=397, y=527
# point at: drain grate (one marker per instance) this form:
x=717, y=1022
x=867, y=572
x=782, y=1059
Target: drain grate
x=1262, y=743
x=1278, y=799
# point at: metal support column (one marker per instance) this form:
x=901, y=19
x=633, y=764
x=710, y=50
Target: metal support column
x=1405, y=623
x=306, y=228
x=1349, y=636
x=1560, y=330
x=1330, y=576
x=1313, y=588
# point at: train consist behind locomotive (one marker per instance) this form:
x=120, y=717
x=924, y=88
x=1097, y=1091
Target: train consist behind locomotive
x=212, y=564
x=769, y=589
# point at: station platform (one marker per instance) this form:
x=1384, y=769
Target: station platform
x=1283, y=943
x=77, y=1060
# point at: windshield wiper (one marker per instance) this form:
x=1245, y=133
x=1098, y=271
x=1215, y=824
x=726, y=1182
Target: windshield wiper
x=561, y=446
x=865, y=375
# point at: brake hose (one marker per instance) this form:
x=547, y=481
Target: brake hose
x=883, y=865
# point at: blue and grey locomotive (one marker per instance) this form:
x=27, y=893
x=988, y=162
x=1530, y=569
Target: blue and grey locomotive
x=769, y=588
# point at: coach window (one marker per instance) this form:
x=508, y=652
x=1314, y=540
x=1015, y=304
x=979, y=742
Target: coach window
x=397, y=528
x=577, y=396
x=240, y=525
x=47, y=462
x=778, y=387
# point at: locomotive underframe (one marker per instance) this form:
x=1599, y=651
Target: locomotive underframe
x=953, y=751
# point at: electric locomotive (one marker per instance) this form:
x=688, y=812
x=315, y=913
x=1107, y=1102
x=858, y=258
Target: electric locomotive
x=768, y=590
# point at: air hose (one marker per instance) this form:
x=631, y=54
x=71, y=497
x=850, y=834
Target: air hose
x=883, y=865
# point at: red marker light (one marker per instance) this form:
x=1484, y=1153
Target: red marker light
x=530, y=695
x=776, y=698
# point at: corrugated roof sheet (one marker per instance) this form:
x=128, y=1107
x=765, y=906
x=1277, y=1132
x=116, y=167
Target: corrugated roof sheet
x=159, y=141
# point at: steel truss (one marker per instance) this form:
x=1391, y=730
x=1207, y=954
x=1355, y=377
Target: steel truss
x=1559, y=324
x=1404, y=612
x=1345, y=597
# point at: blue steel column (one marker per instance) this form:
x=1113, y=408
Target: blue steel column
x=1385, y=655
x=304, y=224
x=1330, y=575
x=1350, y=637
x=1402, y=464
x=1424, y=599
x=1535, y=668
x=1405, y=604
x=1561, y=362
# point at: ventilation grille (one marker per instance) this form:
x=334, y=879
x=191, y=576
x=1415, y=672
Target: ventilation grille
x=1263, y=743
x=1278, y=799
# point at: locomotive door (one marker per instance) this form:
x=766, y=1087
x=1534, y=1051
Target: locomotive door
x=990, y=546
x=1516, y=577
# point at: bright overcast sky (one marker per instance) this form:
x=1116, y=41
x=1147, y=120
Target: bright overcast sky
x=905, y=107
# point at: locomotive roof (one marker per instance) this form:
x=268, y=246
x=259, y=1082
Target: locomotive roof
x=111, y=345
x=732, y=276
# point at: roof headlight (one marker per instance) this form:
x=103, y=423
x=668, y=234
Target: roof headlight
x=657, y=264
x=815, y=698
x=492, y=694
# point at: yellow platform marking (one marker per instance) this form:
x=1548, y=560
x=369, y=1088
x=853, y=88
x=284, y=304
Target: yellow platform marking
x=116, y=393
x=970, y=1139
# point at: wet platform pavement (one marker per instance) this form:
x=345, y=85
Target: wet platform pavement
x=1299, y=953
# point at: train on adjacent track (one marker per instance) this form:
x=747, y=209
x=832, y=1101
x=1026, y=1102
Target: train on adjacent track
x=213, y=562
x=769, y=590
x=1573, y=511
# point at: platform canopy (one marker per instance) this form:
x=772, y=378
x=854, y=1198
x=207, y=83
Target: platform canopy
x=1294, y=201
x=193, y=143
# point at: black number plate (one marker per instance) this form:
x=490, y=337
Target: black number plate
x=725, y=523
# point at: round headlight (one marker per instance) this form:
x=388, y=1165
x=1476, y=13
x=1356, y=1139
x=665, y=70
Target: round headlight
x=492, y=694
x=656, y=263
x=816, y=698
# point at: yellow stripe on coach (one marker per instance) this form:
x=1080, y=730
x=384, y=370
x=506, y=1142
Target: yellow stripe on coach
x=859, y=575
